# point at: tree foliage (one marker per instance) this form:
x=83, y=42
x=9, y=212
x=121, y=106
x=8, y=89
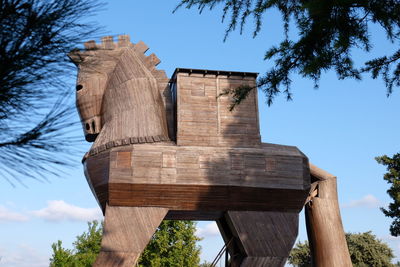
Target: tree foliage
x=365, y=251
x=393, y=178
x=86, y=248
x=35, y=36
x=173, y=245
x=327, y=33
x=300, y=256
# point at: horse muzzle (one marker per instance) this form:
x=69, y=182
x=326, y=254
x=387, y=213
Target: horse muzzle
x=91, y=128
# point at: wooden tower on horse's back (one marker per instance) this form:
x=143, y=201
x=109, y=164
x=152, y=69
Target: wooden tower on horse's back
x=171, y=149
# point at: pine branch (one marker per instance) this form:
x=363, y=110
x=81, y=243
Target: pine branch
x=328, y=32
x=36, y=114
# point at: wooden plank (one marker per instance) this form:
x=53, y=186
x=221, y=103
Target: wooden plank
x=266, y=238
x=141, y=47
x=127, y=230
x=198, y=94
x=207, y=198
x=97, y=175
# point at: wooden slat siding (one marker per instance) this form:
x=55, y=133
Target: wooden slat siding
x=204, y=118
x=97, y=171
x=193, y=215
x=168, y=164
x=93, y=83
x=169, y=159
x=266, y=237
x=163, y=86
x=235, y=247
x=205, y=198
x=307, y=178
x=244, y=118
x=121, y=165
x=127, y=230
x=263, y=262
x=102, y=196
x=116, y=80
x=124, y=159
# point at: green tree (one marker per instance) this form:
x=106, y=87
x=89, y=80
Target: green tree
x=35, y=36
x=300, y=255
x=325, y=33
x=365, y=251
x=393, y=178
x=86, y=248
x=173, y=245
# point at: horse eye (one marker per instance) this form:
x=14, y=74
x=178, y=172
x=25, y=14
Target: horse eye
x=79, y=87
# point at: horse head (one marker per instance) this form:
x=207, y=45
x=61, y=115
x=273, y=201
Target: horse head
x=118, y=94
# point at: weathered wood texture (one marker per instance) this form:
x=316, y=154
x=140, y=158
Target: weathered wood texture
x=261, y=239
x=324, y=224
x=115, y=81
x=171, y=147
x=127, y=230
x=201, y=178
x=203, y=115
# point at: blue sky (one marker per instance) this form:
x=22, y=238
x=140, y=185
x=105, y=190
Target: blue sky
x=341, y=127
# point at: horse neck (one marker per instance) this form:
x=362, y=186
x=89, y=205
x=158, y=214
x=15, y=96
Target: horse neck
x=132, y=106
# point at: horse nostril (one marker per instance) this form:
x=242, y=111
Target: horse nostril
x=79, y=87
x=93, y=126
x=87, y=126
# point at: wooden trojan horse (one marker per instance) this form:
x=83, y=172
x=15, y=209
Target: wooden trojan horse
x=171, y=149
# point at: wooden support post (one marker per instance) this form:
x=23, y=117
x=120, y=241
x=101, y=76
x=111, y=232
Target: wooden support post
x=324, y=224
x=264, y=239
x=127, y=230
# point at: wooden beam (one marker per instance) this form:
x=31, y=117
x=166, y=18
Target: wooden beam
x=324, y=224
x=264, y=239
x=127, y=230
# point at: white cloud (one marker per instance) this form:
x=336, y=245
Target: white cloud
x=10, y=216
x=23, y=256
x=210, y=229
x=368, y=201
x=58, y=210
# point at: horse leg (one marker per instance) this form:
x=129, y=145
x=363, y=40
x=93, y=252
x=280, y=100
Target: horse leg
x=324, y=224
x=259, y=239
x=126, y=232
